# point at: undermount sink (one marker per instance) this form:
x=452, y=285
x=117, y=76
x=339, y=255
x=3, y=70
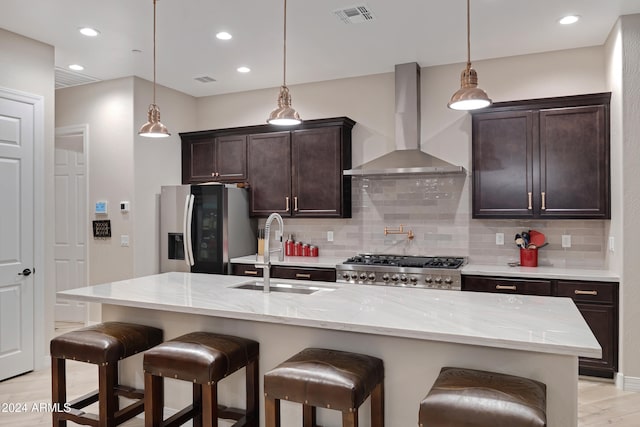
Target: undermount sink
x=284, y=287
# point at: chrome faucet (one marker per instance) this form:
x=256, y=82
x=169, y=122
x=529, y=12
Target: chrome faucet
x=266, y=262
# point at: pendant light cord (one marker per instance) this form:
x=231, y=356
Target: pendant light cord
x=468, y=34
x=284, y=65
x=154, y=52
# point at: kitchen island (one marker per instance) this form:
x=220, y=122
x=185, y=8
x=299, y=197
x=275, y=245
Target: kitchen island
x=414, y=331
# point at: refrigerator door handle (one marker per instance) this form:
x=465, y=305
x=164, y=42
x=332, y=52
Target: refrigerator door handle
x=188, y=218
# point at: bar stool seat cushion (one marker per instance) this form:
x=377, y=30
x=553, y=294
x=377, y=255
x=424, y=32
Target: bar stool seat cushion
x=325, y=378
x=200, y=357
x=471, y=398
x=105, y=343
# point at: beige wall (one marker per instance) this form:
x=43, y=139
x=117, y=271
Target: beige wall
x=27, y=65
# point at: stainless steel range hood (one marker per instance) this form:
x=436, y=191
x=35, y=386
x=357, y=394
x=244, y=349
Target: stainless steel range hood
x=407, y=158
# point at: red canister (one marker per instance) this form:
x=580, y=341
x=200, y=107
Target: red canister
x=288, y=246
x=306, y=250
x=297, y=249
x=314, y=250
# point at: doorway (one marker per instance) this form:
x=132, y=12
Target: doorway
x=71, y=220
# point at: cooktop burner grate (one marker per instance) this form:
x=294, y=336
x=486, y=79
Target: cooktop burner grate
x=406, y=261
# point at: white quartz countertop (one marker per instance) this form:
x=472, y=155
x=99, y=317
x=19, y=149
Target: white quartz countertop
x=540, y=272
x=294, y=261
x=521, y=322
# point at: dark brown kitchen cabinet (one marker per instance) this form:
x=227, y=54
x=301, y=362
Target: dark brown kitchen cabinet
x=207, y=158
x=270, y=173
x=299, y=173
x=287, y=272
x=507, y=285
x=543, y=158
x=598, y=304
x=596, y=301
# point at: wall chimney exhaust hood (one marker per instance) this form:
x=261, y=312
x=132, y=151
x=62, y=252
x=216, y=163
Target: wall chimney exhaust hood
x=407, y=158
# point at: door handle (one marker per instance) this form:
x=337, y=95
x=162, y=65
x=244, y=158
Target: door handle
x=26, y=272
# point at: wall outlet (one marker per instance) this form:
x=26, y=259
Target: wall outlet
x=499, y=238
x=124, y=240
x=329, y=236
x=566, y=240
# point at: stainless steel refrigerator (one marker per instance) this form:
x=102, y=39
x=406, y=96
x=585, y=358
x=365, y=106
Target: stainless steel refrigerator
x=203, y=226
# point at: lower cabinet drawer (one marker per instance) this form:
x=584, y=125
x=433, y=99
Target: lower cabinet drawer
x=245, y=270
x=300, y=273
x=507, y=285
x=600, y=292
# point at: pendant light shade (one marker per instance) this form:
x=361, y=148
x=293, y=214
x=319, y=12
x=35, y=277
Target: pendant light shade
x=154, y=128
x=469, y=96
x=284, y=115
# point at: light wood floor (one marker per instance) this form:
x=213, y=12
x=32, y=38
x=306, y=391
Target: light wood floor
x=599, y=403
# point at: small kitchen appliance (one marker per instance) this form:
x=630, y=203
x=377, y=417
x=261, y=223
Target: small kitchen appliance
x=203, y=226
x=439, y=272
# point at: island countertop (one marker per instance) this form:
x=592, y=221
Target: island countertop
x=519, y=322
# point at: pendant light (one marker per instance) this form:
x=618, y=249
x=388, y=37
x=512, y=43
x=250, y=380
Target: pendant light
x=154, y=128
x=284, y=115
x=469, y=96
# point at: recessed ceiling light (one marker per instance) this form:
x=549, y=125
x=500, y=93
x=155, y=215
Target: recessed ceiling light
x=223, y=35
x=89, y=32
x=569, y=19
x=76, y=67
x=244, y=69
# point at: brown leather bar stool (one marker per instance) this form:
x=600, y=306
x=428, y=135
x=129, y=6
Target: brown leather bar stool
x=330, y=379
x=471, y=398
x=103, y=345
x=202, y=358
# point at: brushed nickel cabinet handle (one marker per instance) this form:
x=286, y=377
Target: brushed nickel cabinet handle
x=303, y=276
x=579, y=292
x=295, y=203
x=530, y=200
x=506, y=287
x=544, y=203
x=251, y=272
x=286, y=203
x=213, y=174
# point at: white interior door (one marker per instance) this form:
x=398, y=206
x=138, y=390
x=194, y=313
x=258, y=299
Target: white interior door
x=16, y=237
x=70, y=223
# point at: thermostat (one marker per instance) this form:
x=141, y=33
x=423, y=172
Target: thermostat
x=101, y=207
x=124, y=207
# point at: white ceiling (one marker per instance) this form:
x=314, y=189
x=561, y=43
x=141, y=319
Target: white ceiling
x=319, y=46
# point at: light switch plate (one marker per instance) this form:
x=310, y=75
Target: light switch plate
x=499, y=238
x=329, y=236
x=566, y=240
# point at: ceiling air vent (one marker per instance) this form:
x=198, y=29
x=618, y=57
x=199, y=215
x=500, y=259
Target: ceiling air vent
x=205, y=79
x=355, y=14
x=65, y=78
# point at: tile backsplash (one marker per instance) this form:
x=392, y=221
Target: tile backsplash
x=437, y=209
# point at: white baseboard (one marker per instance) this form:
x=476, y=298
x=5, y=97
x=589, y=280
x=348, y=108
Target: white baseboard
x=628, y=383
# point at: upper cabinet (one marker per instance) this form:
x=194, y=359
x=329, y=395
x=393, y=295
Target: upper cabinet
x=296, y=171
x=207, y=158
x=542, y=158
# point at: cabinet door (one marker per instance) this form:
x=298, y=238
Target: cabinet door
x=574, y=163
x=503, y=164
x=507, y=285
x=270, y=173
x=231, y=158
x=603, y=322
x=198, y=160
x=317, y=172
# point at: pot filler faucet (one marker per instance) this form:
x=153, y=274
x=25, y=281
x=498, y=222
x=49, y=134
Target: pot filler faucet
x=266, y=262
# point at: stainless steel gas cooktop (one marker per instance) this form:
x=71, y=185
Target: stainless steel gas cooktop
x=440, y=272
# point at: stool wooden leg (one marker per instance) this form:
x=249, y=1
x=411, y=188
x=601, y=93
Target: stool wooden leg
x=252, y=381
x=58, y=389
x=153, y=400
x=271, y=412
x=308, y=416
x=210, y=405
x=197, y=405
x=106, y=399
x=377, y=406
x=350, y=419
